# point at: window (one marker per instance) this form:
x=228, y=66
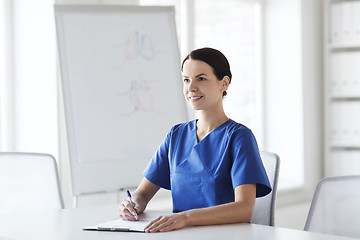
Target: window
x=28, y=77
x=5, y=72
x=2, y=63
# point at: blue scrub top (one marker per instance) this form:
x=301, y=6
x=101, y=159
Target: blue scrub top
x=203, y=174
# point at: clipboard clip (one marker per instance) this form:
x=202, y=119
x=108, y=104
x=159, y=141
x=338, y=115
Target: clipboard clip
x=118, y=229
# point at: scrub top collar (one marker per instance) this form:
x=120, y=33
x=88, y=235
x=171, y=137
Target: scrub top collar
x=194, y=127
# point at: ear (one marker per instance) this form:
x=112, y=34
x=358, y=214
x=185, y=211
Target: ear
x=225, y=83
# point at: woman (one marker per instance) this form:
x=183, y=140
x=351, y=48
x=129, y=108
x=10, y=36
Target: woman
x=211, y=165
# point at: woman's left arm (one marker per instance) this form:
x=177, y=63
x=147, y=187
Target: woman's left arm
x=236, y=212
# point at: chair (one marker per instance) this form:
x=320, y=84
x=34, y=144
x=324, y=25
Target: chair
x=29, y=182
x=335, y=208
x=265, y=206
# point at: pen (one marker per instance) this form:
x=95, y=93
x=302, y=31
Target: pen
x=132, y=203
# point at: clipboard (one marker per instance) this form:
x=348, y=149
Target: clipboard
x=119, y=225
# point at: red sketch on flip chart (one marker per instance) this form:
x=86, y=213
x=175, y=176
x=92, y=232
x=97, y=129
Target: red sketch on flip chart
x=137, y=46
x=140, y=97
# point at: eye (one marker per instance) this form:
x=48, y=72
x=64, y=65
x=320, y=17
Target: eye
x=186, y=80
x=201, y=79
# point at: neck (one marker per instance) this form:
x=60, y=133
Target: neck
x=209, y=120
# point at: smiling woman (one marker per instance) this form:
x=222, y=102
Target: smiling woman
x=206, y=79
x=211, y=164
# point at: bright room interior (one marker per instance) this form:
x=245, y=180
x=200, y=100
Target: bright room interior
x=277, y=50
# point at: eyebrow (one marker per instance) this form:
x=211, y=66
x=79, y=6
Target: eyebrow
x=200, y=74
x=196, y=75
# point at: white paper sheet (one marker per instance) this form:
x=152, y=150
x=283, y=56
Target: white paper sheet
x=127, y=226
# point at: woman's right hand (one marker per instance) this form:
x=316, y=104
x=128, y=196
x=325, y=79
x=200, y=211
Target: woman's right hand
x=140, y=199
x=127, y=212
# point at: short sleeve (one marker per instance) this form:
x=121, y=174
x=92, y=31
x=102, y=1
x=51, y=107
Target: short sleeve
x=247, y=165
x=157, y=171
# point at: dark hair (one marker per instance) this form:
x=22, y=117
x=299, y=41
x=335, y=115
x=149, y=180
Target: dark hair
x=215, y=59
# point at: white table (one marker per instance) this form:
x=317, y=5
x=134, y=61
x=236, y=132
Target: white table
x=68, y=224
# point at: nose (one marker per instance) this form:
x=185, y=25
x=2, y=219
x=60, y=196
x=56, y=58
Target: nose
x=192, y=87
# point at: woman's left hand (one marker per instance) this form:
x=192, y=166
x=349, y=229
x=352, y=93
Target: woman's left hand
x=166, y=223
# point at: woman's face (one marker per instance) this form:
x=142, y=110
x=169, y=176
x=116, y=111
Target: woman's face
x=202, y=89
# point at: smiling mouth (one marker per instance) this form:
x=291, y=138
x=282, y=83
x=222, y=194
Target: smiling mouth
x=194, y=99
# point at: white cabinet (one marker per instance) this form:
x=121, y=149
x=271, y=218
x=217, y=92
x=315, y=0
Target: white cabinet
x=342, y=87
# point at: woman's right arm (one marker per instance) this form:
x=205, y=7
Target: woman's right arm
x=140, y=198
